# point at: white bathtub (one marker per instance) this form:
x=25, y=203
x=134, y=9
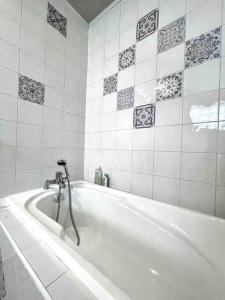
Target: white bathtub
x=132, y=247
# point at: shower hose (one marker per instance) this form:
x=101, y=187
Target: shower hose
x=70, y=209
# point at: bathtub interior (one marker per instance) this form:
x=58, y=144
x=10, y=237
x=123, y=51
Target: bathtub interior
x=134, y=252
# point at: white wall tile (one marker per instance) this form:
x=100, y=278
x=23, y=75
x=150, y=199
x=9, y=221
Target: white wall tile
x=198, y=196
x=200, y=137
x=11, y=8
x=108, y=140
x=142, y=162
x=109, y=103
x=170, y=191
x=145, y=71
x=123, y=181
x=32, y=67
x=145, y=93
x=128, y=37
x=171, y=10
x=209, y=74
x=30, y=113
x=7, y=158
x=126, y=78
x=143, y=139
x=9, y=30
x=29, y=135
x=222, y=75
x=27, y=180
x=53, y=98
x=168, y=138
x=8, y=82
x=199, y=167
x=28, y=158
x=146, y=6
x=55, y=59
x=201, y=107
x=33, y=22
x=32, y=44
x=7, y=182
x=123, y=160
x=124, y=119
x=8, y=106
x=124, y=139
x=9, y=56
x=52, y=137
x=196, y=20
x=170, y=61
x=108, y=158
x=168, y=112
x=142, y=185
x=167, y=164
x=220, y=203
x=52, y=118
x=220, y=180
x=50, y=157
x=146, y=48
x=8, y=133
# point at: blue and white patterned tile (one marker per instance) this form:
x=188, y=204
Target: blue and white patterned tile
x=31, y=90
x=125, y=98
x=171, y=35
x=110, y=84
x=147, y=25
x=144, y=116
x=170, y=86
x=57, y=20
x=127, y=58
x=205, y=47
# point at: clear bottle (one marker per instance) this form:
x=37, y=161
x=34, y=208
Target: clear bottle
x=98, y=176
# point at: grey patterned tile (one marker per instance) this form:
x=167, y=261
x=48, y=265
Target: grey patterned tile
x=31, y=90
x=170, y=86
x=57, y=20
x=205, y=47
x=125, y=98
x=171, y=35
x=110, y=84
x=144, y=116
x=127, y=58
x=147, y=25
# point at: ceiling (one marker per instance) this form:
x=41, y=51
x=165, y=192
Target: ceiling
x=89, y=9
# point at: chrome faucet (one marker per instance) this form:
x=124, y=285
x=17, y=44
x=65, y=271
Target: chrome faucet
x=59, y=179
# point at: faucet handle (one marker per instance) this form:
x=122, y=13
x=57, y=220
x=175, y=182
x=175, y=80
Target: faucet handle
x=58, y=176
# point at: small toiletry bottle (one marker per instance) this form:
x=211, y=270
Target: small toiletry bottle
x=98, y=175
x=105, y=180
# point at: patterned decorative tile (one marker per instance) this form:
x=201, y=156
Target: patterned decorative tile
x=57, y=20
x=2, y=279
x=31, y=90
x=127, y=58
x=125, y=98
x=205, y=47
x=144, y=116
x=171, y=35
x=110, y=84
x=147, y=25
x=170, y=86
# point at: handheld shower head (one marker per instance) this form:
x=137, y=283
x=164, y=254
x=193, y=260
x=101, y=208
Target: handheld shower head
x=63, y=163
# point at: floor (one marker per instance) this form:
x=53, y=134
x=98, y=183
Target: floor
x=31, y=270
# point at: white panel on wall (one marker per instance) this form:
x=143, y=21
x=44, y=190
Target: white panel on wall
x=31, y=125
x=179, y=157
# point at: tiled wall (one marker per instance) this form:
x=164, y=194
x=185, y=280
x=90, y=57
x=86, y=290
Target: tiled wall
x=155, y=106
x=43, y=57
